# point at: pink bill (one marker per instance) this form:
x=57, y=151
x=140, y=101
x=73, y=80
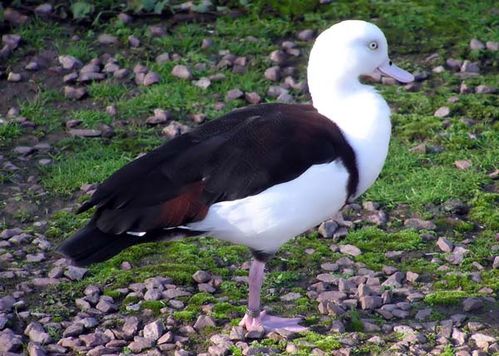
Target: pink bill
x=391, y=70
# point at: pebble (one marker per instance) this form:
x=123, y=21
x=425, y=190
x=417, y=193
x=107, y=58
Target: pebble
x=37, y=333
x=454, y=64
x=419, y=224
x=107, y=39
x=485, y=89
x=133, y=41
x=174, y=129
x=350, y=250
x=11, y=40
x=85, y=132
x=471, y=304
x=69, y=62
x=444, y=244
x=74, y=93
x=234, y=94
x=163, y=58
x=462, y=164
x=201, y=276
x=181, y=71
x=204, y=321
x=202, y=83
x=14, y=77
x=121, y=73
x=43, y=9
x=157, y=31
x=273, y=73
x=476, y=44
x=470, y=67
x=492, y=46
x=252, y=98
x=154, y=330
x=290, y=296
x=151, y=78
x=306, y=35
x=442, y=112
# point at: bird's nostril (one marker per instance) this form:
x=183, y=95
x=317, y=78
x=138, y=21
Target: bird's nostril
x=390, y=62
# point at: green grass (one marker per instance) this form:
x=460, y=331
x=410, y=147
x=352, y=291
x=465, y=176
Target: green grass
x=8, y=132
x=91, y=163
x=418, y=182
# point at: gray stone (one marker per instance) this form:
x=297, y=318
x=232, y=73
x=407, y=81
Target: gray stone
x=495, y=264
x=6, y=303
x=492, y=46
x=90, y=77
x=252, y=98
x=75, y=329
x=423, y=314
x=370, y=302
x=202, y=83
x=482, y=340
x=133, y=41
x=204, y=321
x=174, y=129
x=471, y=304
x=290, y=296
x=470, y=67
x=35, y=350
x=458, y=336
x=151, y=78
x=462, y=164
x=107, y=39
x=106, y=305
x=444, y=244
x=337, y=326
x=157, y=30
x=69, y=62
x=85, y=133
x=74, y=93
x=485, y=89
x=328, y=228
x=131, y=326
x=9, y=342
x=154, y=330
x=273, y=73
x=476, y=44
x=419, y=224
x=350, y=250
x=140, y=344
x=44, y=282
x=454, y=64
x=14, y=77
x=94, y=339
x=181, y=71
x=412, y=277
x=37, y=333
x=75, y=273
x=234, y=94
x=153, y=294
x=306, y=35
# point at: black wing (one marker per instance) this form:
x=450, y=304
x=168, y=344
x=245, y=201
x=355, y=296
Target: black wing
x=235, y=156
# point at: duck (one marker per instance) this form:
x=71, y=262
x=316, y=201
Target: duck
x=260, y=175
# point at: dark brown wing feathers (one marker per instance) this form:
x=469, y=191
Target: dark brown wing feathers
x=240, y=154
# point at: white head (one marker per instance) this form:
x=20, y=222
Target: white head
x=347, y=50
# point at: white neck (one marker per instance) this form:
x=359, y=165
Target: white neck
x=362, y=115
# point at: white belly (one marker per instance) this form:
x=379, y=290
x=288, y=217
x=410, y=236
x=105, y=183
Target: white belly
x=267, y=220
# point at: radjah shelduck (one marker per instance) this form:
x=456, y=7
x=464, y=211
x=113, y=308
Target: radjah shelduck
x=260, y=175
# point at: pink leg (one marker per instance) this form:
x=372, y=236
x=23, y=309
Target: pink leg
x=255, y=319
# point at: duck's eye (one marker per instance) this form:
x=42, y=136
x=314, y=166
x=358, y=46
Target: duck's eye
x=373, y=45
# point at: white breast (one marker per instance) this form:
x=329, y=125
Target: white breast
x=364, y=119
x=267, y=220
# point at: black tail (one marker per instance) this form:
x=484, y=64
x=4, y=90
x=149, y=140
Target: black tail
x=91, y=245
